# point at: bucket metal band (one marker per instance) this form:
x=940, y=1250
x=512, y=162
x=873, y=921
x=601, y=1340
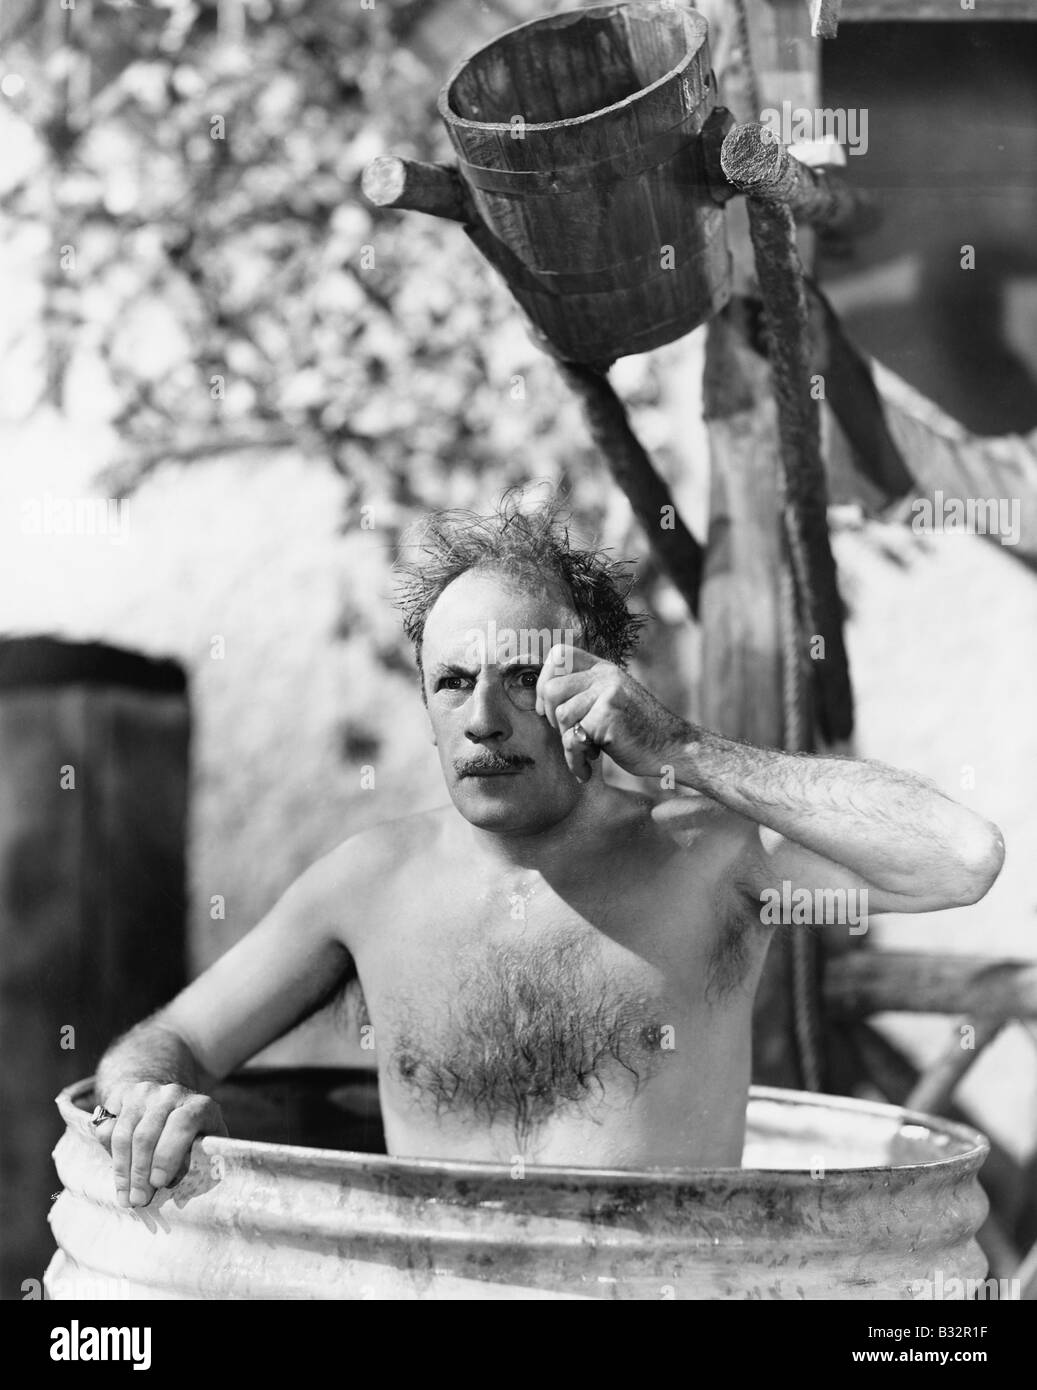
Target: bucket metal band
x=710, y=252
x=577, y=178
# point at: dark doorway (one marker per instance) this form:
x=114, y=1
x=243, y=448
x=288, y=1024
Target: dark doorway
x=952, y=158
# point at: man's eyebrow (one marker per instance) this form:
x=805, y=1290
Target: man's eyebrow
x=447, y=668
x=452, y=668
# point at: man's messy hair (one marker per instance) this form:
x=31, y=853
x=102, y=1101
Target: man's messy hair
x=531, y=544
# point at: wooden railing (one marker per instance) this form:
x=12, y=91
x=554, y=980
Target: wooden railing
x=982, y=996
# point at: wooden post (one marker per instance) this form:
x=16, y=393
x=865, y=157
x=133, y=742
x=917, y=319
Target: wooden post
x=766, y=56
x=93, y=805
x=741, y=622
x=742, y=659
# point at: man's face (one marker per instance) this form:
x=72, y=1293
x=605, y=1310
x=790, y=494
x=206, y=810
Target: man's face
x=486, y=638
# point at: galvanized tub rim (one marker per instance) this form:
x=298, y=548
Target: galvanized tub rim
x=73, y=1100
x=452, y=118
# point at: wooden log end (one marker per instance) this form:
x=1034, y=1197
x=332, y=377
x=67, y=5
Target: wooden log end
x=391, y=182
x=385, y=180
x=752, y=157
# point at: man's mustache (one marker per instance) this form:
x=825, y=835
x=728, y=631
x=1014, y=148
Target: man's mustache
x=489, y=762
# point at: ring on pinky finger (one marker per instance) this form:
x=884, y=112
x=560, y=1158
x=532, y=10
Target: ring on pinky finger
x=590, y=749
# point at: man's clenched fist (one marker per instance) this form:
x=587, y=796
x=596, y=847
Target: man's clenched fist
x=151, y=1135
x=614, y=712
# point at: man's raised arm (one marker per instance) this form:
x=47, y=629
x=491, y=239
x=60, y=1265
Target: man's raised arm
x=153, y=1080
x=824, y=822
x=843, y=822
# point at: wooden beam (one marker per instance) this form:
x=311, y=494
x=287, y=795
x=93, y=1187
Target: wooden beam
x=942, y=11
x=824, y=18
x=942, y=453
x=854, y=398
x=756, y=162
x=939, y=1081
x=870, y=982
x=409, y=185
x=896, y=1077
x=677, y=550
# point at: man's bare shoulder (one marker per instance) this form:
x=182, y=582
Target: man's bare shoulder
x=697, y=822
x=353, y=885
x=369, y=856
x=676, y=828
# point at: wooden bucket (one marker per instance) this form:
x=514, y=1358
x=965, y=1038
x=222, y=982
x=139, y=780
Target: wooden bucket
x=578, y=138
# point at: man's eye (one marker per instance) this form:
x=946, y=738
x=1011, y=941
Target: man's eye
x=528, y=679
x=449, y=682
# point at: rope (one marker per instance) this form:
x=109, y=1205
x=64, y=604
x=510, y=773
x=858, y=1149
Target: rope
x=748, y=70
x=796, y=608
x=797, y=730
x=794, y=713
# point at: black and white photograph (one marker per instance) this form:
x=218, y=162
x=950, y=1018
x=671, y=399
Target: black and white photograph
x=518, y=652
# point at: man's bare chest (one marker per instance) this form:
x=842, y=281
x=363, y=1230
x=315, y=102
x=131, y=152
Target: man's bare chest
x=505, y=1002
x=516, y=1024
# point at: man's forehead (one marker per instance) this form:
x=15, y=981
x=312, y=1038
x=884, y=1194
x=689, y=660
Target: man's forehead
x=498, y=608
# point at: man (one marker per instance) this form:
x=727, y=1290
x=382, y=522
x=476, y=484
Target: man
x=554, y=967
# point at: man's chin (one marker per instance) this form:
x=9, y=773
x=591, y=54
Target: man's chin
x=493, y=803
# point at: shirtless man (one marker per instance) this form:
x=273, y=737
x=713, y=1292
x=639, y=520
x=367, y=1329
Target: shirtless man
x=554, y=967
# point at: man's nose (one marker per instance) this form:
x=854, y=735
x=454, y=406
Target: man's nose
x=487, y=713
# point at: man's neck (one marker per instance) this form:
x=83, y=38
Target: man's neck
x=560, y=851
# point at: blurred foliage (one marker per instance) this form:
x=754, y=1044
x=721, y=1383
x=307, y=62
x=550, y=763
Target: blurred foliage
x=196, y=177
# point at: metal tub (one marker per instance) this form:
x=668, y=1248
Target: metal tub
x=836, y=1199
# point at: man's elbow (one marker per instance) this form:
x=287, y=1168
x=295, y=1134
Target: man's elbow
x=981, y=855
